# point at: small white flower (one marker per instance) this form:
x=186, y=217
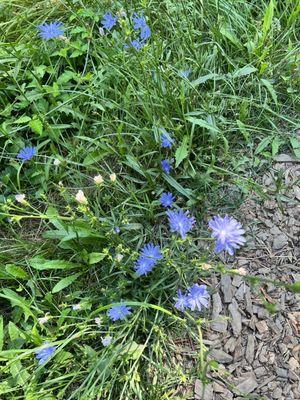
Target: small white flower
x=101, y=31
x=98, y=179
x=76, y=307
x=98, y=321
x=80, y=197
x=119, y=257
x=113, y=177
x=56, y=162
x=106, y=341
x=43, y=320
x=20, y=198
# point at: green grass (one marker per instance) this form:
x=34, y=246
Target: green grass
x=99, y=109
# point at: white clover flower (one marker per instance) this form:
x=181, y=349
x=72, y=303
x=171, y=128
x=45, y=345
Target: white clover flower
x=119, y=257
x=20, y=198
x=113, y=177
x=44, y=319
x=98, y=179
x=98, y=321
x=56, y=162
x=76, y=307
x=80, y=197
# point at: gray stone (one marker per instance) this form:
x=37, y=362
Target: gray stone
x=203, y=392
x=236, y=319
x=250, y=349
x=247, y=386
x=221, y=356
x=277, y=394
x=227, y=288
x=280, y=241
x=219, y=323
x=282, y=373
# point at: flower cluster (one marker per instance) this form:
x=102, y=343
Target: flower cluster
x=148, y=258
x=195, y=298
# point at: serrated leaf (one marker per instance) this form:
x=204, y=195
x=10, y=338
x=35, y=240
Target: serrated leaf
x=271, y=90
x=203, y=124
x=17, y=300
x=247, y=70
x=22, y=120
x=65, y=282
x=36, y=125
x=205, y=78
x=42, y=264
x=268, y=18
x=96, y=257
x=263, y=144
x=16, y=271
x=182, y=151
x=276, y=142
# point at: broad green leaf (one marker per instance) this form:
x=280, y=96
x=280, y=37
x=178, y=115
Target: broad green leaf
x=247, y=70
x=226, y=31
x=17, y=300
x=19, y=372
x=205, y=78
x=295, y=143
x=263, y=144
x=16, y=271
x=182, y=151
x=13, y=331
x=185, y=192
x=134, y=164
x=133, y=350
x=268, y=18
x=36, y=125
x=203, y=124
x=276, y=142
x=65, y=282
x=96, y=257
x=41, y=264
x=22, y=120
x=271, y=90
x=1, y=332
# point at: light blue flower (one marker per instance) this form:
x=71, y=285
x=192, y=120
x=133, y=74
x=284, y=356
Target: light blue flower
x=117, y=313
x=228, y=232
x=166, y=166
x=167, y=199
x=27, y=153
x=166, y=140
x=51, y=31
x=148, y=258
x=106, y=341
x=180, y=221
x=109, y=21
x=44, y=353
x=139, y=22
x=197, y=297
x=181, y=301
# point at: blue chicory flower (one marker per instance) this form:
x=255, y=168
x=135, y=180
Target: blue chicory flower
x=117, y=313
x=51, y=31
x=180, y=221
x=197, y=297
x=139, y=22
x=166, y=166
x=181, y=301
x=44, y=353
x=148, y=258
x=27, y=153
x=194, y=299
x=167, y=199
x=166, y=140
x=109, y=21
x=228, y=232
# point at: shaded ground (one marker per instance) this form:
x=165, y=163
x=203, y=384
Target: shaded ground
x=259, y=352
